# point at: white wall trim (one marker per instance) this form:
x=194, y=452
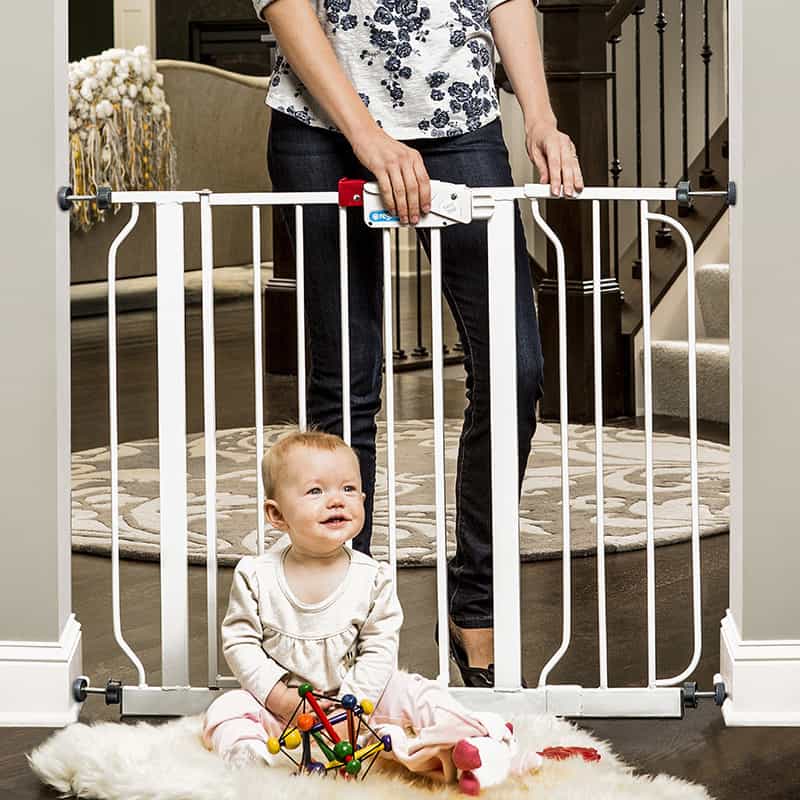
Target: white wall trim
x=135, y=24
x=36, y=680
x=762, y=678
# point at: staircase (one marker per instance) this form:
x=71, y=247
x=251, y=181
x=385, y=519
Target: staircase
x=657, y=117
x=671, y=357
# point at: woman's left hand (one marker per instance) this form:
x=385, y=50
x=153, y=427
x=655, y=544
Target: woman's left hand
x=555, y=157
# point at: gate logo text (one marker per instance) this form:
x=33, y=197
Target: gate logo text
x=382, y=216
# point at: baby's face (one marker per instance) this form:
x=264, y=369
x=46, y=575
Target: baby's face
x=319, y=496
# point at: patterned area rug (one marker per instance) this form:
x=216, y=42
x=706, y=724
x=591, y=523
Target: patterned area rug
x=540, y=512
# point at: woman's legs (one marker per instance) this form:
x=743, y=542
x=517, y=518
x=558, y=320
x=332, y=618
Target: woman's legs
x=481, y=159
x=302, y=159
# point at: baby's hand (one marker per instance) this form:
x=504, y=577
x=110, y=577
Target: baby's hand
x=282, y=701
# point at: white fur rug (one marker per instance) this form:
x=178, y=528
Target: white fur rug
x=113, y=761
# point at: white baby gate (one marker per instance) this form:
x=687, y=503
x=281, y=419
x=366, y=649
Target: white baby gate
x=451, y=204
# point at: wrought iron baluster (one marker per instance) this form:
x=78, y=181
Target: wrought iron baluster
x=616, y=164
x=420, y=351
x=684, y=210
x=684, y=99
x=726, y=66
x=707, y=178
x=398, y=352
x=636, y=267
x=663, y=233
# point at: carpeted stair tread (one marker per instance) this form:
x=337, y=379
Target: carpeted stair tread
x=671, y=357
x=711, y=282
x=708, y=344
x=671, y=378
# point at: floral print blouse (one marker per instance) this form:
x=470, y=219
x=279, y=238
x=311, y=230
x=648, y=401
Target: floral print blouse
x=424, y=68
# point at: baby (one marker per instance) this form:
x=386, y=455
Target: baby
x=312, y=610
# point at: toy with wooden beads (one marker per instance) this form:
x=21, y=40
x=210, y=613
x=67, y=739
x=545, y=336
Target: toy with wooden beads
x=310, y=722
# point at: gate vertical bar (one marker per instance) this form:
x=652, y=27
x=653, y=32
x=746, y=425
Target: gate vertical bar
x=504, y=446
x=388, y=350
x=697, y=612
x=598, y=446
x=300, y=291
x=258, y=371
x=345, y=306
x=114, y=442
x=172, y=445
x=437, y=357
x=648, y=447
x=209, y=433
x=566, y=553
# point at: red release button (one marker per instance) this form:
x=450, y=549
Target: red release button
x=351, y=192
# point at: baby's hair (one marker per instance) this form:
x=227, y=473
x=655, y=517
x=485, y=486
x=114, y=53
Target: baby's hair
x=275, y=456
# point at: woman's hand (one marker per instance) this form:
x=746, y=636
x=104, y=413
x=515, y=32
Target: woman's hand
x=402, y=178
x=555, y=157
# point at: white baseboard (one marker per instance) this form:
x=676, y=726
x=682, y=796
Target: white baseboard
x=36, y=680
x=762, y=679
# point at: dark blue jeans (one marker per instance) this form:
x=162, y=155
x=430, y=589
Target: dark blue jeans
x=302, y=158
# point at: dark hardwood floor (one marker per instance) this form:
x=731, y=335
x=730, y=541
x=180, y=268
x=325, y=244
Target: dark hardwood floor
x=732, y=763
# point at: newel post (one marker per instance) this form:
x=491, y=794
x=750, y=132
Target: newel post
x=574, y=47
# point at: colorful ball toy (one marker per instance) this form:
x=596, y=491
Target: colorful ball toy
x=309, y=722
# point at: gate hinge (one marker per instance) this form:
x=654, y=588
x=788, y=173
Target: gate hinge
x=685, y=193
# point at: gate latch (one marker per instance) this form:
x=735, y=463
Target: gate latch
x=351, y=192
x=451, y=203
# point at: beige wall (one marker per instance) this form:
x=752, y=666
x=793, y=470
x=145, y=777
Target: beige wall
x=34, y=327
x=135, y=24
x=765, y=337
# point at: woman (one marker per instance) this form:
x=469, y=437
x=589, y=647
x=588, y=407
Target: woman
x=402, y=91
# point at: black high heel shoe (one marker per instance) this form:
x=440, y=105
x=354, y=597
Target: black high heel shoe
x=472, y=676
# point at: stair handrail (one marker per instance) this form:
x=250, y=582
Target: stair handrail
x=620, y=12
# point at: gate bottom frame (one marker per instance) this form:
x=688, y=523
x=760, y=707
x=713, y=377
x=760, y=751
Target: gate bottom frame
x=561, y=701
x=577, y=701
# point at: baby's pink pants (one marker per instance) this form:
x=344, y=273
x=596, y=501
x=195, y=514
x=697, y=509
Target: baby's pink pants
x=420, y=715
